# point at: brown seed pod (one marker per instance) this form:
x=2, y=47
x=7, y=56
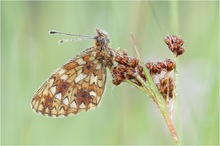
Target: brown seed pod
x=161, y=65
x=140, y=69
x=175, y=44
x=133, y=62
x=169, y=65
x=149, y=65
x=156, y=69
x=118, y=58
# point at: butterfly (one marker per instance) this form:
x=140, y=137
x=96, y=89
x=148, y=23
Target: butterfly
x=79, y=84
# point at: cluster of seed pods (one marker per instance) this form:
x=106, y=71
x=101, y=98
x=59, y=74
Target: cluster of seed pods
x=127, y=69
x=157, y=68
x=165, y=84
x=175, y=44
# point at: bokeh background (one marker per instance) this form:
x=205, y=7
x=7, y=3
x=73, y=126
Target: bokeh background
x=125, y=115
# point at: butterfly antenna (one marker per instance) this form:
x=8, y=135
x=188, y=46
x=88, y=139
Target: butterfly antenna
x=64, y=33
x=61, y=41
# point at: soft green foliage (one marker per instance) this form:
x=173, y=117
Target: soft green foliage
x=125, y=115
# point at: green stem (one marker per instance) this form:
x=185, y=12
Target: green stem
x=165, y=112
x=161, y=104
x=171, y=127
x=154, y=93
x=174, y=83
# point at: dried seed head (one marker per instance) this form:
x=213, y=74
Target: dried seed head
x=133, y=62
x=127, y=68
x=153, y=68
x=130, y=71
x=126, y=60
x=121, y=68
x=180, y=51
x=149, y=65
x=140, y=69
x=116, y=82
x=118, y=58
x=175, y=44
x=161, y=65
x=165, y=85
x=118, y=76
x=169, y=65
x=156, y=69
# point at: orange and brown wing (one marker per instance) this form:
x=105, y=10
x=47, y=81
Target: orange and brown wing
x=76, y=86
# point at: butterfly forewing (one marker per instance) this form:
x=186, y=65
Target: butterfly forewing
x=76, y=86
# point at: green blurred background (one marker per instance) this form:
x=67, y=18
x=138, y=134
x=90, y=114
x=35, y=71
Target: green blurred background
x=125, y=115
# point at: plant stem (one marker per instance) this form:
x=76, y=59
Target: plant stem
x=161, y=104
x=170, y=124
x=154, y=93
x=135, y=46
x=174, y=83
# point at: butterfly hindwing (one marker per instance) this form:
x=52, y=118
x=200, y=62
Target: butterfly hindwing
x=76, y=86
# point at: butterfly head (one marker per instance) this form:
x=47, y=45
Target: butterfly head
x=102, y=38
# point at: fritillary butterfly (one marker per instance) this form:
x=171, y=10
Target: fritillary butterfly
x=79, y=84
